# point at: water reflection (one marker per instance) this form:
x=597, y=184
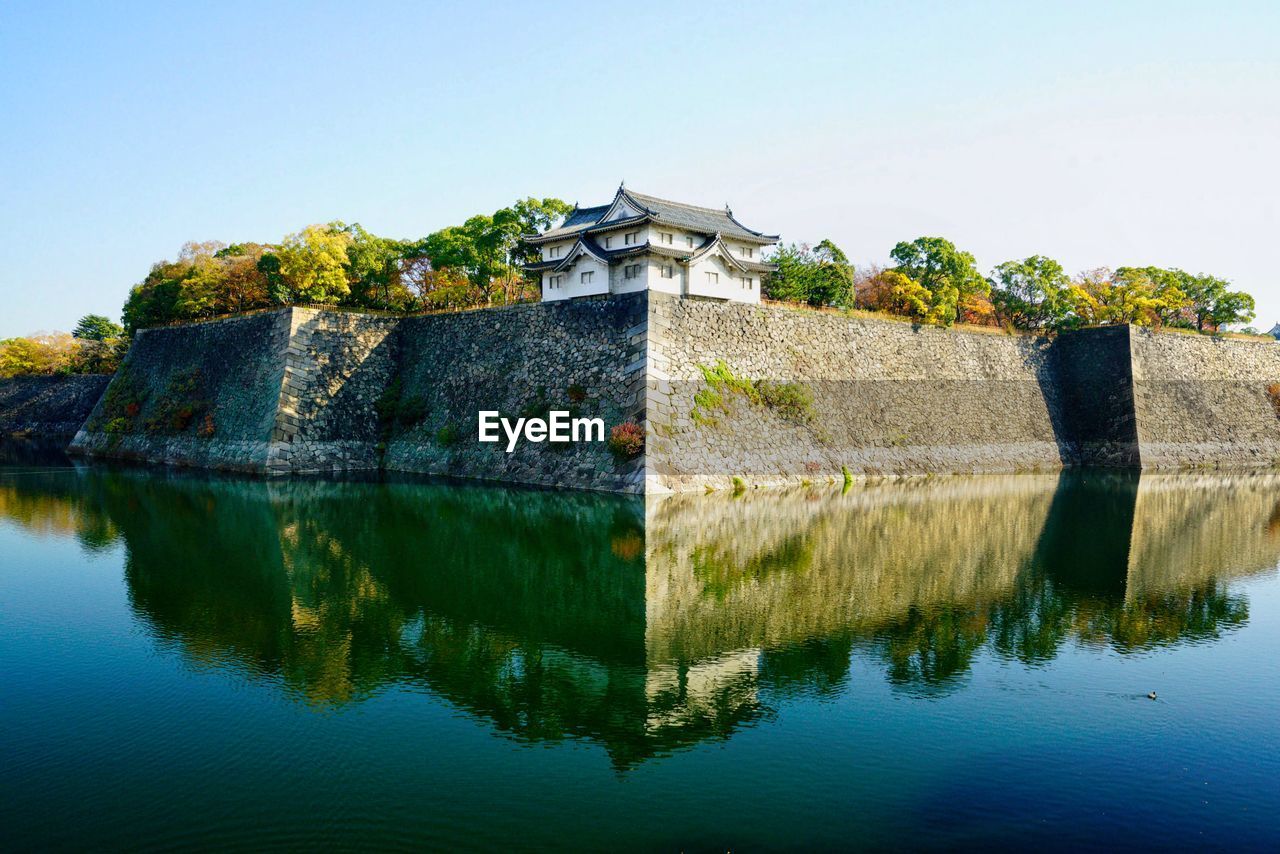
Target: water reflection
x=646, y=626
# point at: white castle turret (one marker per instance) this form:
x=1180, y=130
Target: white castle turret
x=639, y=242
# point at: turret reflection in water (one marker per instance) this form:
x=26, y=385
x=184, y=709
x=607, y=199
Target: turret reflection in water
x=557, y=616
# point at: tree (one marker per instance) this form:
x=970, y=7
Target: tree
x=95, y=327
x=42, y=353
x=490, y=250
x=1031, y=294
x=1232, y=307
x=818, y=276
x=374, y=267
x=894, y=293
x=791, y=281
x=1212, y=305
x=314, y=263
x=947, y=273
x=832, y=282
x=1149, y=296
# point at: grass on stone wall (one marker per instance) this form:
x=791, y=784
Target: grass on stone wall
x=182, y=404
x=448, y=436
x=792, y=401
x=121, y=405
x=398, y=412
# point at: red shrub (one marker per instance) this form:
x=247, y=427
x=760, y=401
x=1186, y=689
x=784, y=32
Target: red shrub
x=626, y=439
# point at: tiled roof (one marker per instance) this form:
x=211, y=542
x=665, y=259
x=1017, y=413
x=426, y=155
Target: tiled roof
x=707, y=221
x=695, y=218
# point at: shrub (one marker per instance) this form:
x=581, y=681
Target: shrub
x=576, y=393
x=207, y=427
x=116, y=426
x=1273, y=392
x=720, y=379
x=626, y=440
x=448, y=435
x=397, y=412
x=793, y=401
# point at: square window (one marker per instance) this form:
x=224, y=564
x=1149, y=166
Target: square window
x=608, y=241
x=668, y=271
x=630, y=237
x=667, y=237
x=586, y=277
x=713, y=278
x=688, y=239
x=631, y=271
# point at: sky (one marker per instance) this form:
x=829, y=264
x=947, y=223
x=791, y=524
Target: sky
x=1099, y=134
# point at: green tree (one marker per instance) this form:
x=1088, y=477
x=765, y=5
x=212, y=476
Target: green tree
x=374, y=266
x=1212, y=305
x=818, y=276
x=95, y=327
x=793, y=278
x=946, y=272
x=1032, y=293
x=314, y=263
x=1149, y=296
x=832, y=282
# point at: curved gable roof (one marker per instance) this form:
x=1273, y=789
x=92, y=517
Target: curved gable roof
x=701, y=220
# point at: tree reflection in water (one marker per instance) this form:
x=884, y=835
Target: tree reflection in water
x=649, y=625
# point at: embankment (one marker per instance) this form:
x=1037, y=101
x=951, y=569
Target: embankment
x=582, y=356
x=1202, y=401
x=731, y=394
x=870, y=396
x=48, y=407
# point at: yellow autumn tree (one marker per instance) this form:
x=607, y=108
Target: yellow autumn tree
x=314, y=261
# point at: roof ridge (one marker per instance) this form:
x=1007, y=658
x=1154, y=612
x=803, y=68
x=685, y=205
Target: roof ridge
x=677, y=204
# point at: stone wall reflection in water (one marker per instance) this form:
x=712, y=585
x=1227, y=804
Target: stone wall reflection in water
x=557, y=616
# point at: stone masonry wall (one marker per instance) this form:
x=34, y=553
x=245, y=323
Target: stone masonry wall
x=1204, y=401
x=731, y=395
x=887, y=398
x=585, y=356
x=336, y=367
x=48, y=407
x=226, y=373
x=1094, y=371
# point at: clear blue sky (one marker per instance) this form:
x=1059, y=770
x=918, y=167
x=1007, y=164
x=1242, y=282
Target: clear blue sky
x=1097, y=133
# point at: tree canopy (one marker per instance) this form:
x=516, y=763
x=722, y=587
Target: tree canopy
x=479, y=262
x=948, y=274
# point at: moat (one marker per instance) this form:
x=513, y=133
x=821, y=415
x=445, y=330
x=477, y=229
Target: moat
x=209, y=661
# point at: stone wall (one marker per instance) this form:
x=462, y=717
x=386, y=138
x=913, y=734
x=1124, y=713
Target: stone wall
x=48, y=407
x=336, y=367
x=732, y=395
x=1094, y=371
x=887, y=397
x=585, y=356
x=227, y=374
x=1204, y=401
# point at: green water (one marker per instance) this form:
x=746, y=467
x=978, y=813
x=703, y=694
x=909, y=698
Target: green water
x=208, y=662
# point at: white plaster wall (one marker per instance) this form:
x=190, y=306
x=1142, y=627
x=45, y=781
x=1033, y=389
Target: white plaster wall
x=618, y=281
x=564, y=245
x=728, y=287
x=572, y=285
x=674, y=285
x=678, y=237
